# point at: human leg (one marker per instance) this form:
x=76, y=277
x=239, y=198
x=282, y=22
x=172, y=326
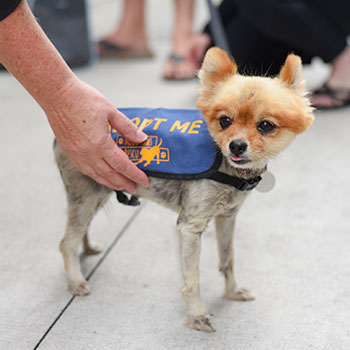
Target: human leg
x=178, y=66
x=201, y=42
x=254, y=51
x=130, y=33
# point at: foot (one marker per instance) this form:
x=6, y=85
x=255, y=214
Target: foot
x=327, y=97
x=179, y=67
x=199, y=45
x=80, y=288
x=203, y=323
x=186, y=65
x=240, y=294
x=124, y=44
x=187, y=56
x=335, y=93
x=109, y=49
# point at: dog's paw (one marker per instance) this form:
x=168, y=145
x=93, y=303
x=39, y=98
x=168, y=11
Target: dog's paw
x=81, y=288
x=240, y=294
x=93, y=248
x=203, y=323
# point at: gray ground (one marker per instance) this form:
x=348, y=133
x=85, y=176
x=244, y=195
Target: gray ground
x=292, y=244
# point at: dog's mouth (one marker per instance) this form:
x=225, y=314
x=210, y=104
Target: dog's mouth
x=240, y=160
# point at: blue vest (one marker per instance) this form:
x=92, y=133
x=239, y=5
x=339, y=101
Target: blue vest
x=178, y=146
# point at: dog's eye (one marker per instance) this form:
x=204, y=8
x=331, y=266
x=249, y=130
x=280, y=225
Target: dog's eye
x=225, y=122
x=265, y=127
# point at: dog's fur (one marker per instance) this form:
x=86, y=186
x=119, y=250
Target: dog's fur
x=246, y=101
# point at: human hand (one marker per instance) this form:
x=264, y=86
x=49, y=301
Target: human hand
x=80, y=117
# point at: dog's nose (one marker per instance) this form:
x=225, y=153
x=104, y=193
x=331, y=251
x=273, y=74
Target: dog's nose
x=238, y=147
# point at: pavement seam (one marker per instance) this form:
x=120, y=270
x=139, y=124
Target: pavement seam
x=100, y=261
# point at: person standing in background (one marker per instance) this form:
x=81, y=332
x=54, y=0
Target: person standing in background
x=129, y=38
x=261, y=33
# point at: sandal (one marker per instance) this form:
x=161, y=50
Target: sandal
x=339, y=97
x=175, y=62
x=107, y=49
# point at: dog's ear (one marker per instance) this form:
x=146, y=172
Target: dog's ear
x=217, y=65
x=292, y=75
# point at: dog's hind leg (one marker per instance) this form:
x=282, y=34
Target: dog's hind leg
x=224, y=233
x=198, y=315
x=84, y=197
x=83, y=203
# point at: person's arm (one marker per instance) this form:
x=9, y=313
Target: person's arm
x=78, y=114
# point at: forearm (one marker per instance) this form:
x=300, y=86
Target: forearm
x=29, y=56
x=78, y=114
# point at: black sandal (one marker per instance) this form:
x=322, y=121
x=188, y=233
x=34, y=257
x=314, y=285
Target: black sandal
x=176, y=60
x=339, y=96
x=110, y=50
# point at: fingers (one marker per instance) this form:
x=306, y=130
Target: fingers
x=109, y=166
x=114, y=180
x=85, y=138
x=105, y=175
x=126, y=128
x=119, y=162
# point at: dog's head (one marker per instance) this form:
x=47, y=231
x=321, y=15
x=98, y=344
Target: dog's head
x=252, y=119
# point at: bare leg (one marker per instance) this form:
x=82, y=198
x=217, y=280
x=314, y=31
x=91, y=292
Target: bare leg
x=198, y=316
x=182, y=34
x=183, y=26
x=131, y=31
x=224, y=232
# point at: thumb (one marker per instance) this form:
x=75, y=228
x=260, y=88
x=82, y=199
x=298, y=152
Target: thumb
x=126, y=127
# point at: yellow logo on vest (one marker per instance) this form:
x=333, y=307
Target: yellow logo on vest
x=147, y=152
x=150, y=150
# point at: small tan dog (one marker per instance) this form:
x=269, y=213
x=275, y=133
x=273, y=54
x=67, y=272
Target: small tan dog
x=251, y=119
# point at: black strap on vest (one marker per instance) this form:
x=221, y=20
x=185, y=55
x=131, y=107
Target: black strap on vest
x=237, y=182
x=124, y=199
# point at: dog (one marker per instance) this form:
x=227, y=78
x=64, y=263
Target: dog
x=251, y=119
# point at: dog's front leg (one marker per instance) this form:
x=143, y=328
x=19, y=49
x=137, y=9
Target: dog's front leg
x=198, y=316
x=224, y=233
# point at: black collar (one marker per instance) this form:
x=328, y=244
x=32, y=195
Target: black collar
x=237, y=182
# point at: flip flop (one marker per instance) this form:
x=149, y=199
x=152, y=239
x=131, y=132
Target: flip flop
x=339, y=96
x=176, y=60
x=107, y=49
